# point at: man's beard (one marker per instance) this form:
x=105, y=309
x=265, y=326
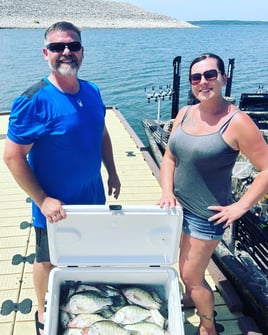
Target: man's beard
x=65, y=69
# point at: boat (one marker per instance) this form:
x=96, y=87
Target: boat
x=242, y=252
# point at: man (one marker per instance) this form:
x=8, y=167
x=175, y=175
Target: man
x=55, y=144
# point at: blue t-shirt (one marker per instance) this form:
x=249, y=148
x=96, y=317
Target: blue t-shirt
x=66, y=131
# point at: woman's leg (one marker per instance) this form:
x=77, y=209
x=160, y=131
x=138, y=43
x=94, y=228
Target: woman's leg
x=194, y=258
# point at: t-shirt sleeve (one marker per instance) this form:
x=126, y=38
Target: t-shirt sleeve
x=23, y=127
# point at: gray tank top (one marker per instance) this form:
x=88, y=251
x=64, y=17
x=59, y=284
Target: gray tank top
x=203, y=169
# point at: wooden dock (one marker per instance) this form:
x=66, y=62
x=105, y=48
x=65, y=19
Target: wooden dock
x=140, y=185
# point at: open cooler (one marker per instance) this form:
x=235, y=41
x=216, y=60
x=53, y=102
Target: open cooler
x=120, y=247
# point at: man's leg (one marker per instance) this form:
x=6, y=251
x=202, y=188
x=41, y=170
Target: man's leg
x=41, y=270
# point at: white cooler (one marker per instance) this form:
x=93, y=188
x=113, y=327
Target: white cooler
x=133, y=245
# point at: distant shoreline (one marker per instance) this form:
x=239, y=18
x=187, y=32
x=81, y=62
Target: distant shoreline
x=29, y=23
x=228, y=21
x=85, y=23
x=101, y=27
x=84, y=14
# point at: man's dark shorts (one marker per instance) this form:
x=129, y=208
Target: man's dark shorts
x=41, y=248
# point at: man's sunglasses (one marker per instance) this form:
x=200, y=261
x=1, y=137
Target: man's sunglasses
x=60, y=47
x=209, y=75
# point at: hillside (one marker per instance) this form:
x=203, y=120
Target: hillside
x=83, y=13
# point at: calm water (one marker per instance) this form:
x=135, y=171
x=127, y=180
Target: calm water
x=123, y=62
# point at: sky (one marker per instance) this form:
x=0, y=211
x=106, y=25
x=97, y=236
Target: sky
x=194, y=10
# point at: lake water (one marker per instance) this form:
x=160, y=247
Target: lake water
x=122, y=62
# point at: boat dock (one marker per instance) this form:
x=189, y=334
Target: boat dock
x=139, y=177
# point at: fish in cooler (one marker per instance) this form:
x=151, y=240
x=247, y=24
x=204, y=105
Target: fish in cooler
x=146, y=328
x=141, y=297
x=87, y=302
x=157, y=318
x=74, y=331
x=108, y=309
x=65, y=318
x=133, y=314
x=130, y=314
x=108, y=328
x=84, y=320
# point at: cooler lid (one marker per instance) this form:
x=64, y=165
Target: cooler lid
x=102, y=235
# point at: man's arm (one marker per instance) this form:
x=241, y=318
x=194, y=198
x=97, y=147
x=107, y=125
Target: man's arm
x=108, y=160
x=15, y=157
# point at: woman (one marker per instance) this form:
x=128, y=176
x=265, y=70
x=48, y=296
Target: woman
x=196, y=174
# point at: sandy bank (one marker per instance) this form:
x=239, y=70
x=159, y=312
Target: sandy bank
x=85, y=14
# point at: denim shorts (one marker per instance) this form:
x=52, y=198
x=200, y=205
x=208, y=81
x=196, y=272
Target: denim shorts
x=41, y=246
x=198, y=227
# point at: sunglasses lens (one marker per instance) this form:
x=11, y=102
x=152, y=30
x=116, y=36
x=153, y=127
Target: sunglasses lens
x=59, y=47
x=195, y=78
x=74, y=46
x=209, y=75
x=54, y=47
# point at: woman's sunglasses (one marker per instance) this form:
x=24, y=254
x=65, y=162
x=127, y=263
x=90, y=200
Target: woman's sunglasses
x=60, y=47
x=209, y=75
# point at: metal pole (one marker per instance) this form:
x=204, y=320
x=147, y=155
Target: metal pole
x=176, y=86
x=229, y=77
x=158, y=109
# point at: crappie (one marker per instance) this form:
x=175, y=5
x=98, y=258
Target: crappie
x=141, y=297
x=85, y=287
x=157, y=317
x=65, y=318
x=109, y=290
x=106, y=312
x=74, y=331
x=84, y=320
x=86, y=302
x=146, y=328
x=112, y=291
x=131, y=314
x=107, y=328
